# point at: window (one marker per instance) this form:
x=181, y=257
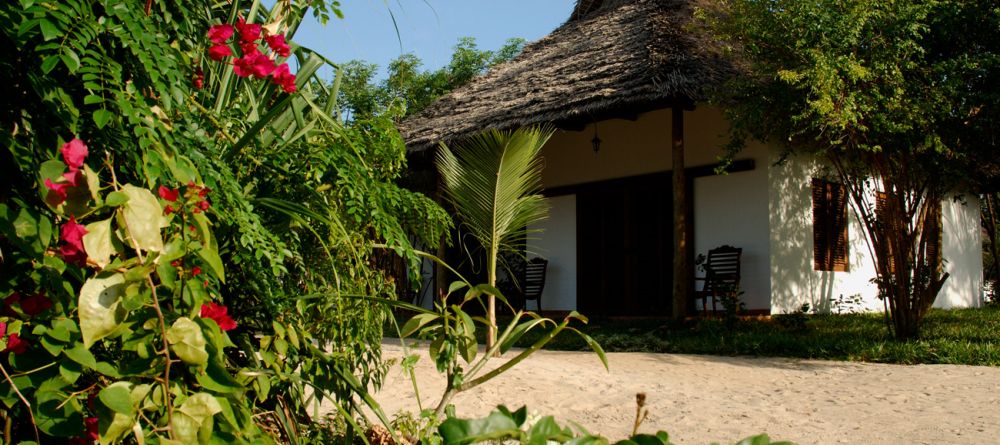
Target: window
x=829, y=226
x=933, y=227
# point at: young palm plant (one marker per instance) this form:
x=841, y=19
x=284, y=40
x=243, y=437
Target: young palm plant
x=493, y=181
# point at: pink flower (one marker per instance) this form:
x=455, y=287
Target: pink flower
x=16, y=345
x=248, y=32
x=72, y=235
x=74, y=152
x=219, y=52
x=35, y=304
x=218, y=313
x=284, y=78
x=220, y=33
x=58, y=188
x=278, y=45
x=168, y=194
x=3, y=329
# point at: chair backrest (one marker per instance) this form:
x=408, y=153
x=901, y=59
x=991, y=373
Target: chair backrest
x=534, y=278
x=722, y=268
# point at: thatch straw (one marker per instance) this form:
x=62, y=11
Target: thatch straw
x=611, y=55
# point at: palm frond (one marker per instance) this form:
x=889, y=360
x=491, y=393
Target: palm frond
x=493, y=179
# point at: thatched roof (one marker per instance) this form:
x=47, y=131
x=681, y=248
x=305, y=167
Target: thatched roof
x=609, y=57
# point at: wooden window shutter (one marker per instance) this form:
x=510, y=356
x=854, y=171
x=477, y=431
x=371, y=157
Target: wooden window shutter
x=934, y=228
x=882, y=218
x=830, y=252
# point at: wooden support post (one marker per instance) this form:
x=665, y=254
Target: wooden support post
x=682, y=241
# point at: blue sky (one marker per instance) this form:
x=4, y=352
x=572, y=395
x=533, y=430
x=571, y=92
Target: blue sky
x=428, y=28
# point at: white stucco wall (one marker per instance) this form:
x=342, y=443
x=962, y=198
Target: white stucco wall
x=794, y=280
x=961, y=247
x=556, y=242
x=732, y=210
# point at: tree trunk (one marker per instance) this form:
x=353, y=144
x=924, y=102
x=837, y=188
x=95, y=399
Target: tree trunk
x=682, y=268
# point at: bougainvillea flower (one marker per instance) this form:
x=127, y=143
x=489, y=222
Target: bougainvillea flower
x=218, y=314
x=220, y=33
x=16, y=345
x=195, y=271
x=199, y=79
x=249, y=48
x=219, y=52
x=204, y=192
x=35, y=304
x=169, y=194
x=278, y=45
x=284, y=78
x=72, y=235
x=74, y=152
x=3, y=329
x=204, y=205
x=263, y=66
x=168, y=209
x=248, y=31
x=59, y=188
x=92, y=428
x=243, y=66
x=6, y=309
x=74, y=176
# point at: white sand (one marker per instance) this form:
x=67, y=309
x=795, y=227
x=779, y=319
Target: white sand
x=703, y=399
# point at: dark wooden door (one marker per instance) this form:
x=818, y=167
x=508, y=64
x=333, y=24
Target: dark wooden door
x=625, y=247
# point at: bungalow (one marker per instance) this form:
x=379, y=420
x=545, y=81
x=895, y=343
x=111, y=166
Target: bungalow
x=632, y=183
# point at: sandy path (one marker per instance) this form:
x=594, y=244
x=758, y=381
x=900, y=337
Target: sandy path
x=701, y=399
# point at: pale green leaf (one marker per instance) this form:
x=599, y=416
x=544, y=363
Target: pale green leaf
x=188, y=342
x=99, y=306
x=98, y=242
x=143, y=218
x=118, y=397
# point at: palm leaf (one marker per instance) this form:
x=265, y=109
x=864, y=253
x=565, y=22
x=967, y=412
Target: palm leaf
x=493, y=179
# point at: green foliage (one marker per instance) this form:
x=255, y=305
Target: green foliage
x=493, y=181
x=505, y=425
x=362, y=97
x=960, y=336
x=295, y=202
x=898, y=97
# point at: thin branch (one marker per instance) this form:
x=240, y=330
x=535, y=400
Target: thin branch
x=34, y=424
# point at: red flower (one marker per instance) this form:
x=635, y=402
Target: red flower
x=249, y=48
x=204, y=192
x=175, y=263
x=219, y=52
x=204, y=205
x=168, y=209
x=35, y=304
x=18, y=346
x=243, y=66
x=284, y=78
x=278, y=45
x=3, y=329
x=195, y=271
x=248, y=31
x=73, y=176
x=73, y=251
x=217, y=313
x=92, y=424
x=169, y=194
x=74, y=153
x=59, y=188
x=199, y=79
x=262, y=66
x=8, y=303
x=220, y=33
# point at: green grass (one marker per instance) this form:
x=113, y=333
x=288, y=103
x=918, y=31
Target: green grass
x=966, y=336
